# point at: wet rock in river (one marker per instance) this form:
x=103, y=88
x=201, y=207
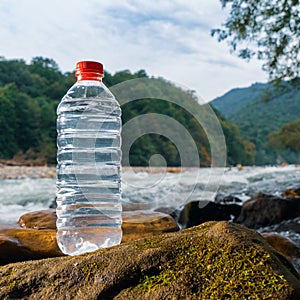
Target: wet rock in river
x=198, y=212
x=264, y=210
x=293, y=192
x=282, y=244
x=37, y=237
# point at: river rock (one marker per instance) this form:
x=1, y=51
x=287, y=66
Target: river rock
x=216, y=260
x=197, y=212
x=42, y=219
x=18, y=244
x=293, y=192
x=140, y=224
x=282, y=244
x=37, y=237
x=292, y=226
x=136, y=224
x=264, y=210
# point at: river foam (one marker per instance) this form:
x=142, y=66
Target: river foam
x=156, y=189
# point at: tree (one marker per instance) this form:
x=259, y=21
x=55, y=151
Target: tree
x=288, y=137
x=266, y=29
x=46, y=68
x=8, y=143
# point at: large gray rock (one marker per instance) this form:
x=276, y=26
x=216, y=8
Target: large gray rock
x=216, y=260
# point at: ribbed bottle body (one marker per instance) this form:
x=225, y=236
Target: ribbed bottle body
x=88, y=169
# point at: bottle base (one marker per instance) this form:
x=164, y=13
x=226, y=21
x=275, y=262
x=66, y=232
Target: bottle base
x=79, y=241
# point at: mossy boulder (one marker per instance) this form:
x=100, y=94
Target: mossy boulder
x=216, y=260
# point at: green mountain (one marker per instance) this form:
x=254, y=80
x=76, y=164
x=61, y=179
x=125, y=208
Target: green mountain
x=259, y=110
x=30, y=93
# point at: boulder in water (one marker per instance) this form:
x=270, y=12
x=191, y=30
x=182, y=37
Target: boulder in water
x=282, y=244
x=198, y=212
x=294, y=192
x=264, y=210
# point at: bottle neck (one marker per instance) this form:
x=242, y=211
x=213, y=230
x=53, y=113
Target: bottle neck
x=89, y=76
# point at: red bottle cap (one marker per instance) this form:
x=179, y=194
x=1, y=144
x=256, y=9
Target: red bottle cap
x=89, y=70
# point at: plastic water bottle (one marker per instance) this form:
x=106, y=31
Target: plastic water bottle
x=89, y=164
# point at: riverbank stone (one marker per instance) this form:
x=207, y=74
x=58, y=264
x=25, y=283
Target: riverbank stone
x=265, y=210
x=216, y=260
x=136, y=224
x=42, y=219
x=17, y=244
x=282, y=244
x=197, y=212
x=292, y=192
x=37, y=236
x=140, y=224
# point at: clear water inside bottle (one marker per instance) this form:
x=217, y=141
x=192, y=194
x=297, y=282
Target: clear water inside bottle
x=88, y=170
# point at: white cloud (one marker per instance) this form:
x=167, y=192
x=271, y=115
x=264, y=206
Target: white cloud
x=169, y=38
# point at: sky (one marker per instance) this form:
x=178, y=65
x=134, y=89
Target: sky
x=166, y=38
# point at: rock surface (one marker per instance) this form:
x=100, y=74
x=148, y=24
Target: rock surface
x=136, y=224
x=18, y=244
x=216, y=260
x=42, y=219
x=37, y=237
x=294, y=192
x=282, y=244
x=140, y=224
x=198, y=212
x=264, y=210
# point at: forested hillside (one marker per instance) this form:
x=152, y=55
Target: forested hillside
x=260, y=110
x=30, y=93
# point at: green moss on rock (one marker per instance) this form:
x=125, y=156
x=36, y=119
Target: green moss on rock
x=216, y=260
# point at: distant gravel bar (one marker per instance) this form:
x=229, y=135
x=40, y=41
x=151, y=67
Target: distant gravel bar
x=13, y=171
x=23, y=172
